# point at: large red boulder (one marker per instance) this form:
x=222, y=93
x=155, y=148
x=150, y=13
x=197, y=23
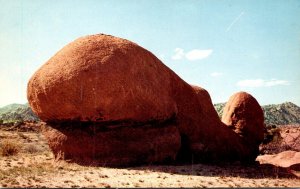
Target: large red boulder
x=102, y=78
x=243, y=114
x=108, y=101
x=208, y=138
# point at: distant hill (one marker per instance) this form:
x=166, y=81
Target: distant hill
x=279, y=114
x=285, y=113
x=219, y=108
x=17, y=112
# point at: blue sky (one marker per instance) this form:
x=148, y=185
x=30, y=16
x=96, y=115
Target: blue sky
x=223, y=46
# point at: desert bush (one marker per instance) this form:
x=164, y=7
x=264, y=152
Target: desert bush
x=280, y=139
x=22, y=135
x=31, y=148
x=272, y=142
x=274, y=147
x=271, y=134
x=9, y=147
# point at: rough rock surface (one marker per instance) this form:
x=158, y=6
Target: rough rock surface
x=244, y=115
x=106, y=99
x=89, y=144
x=102, y=78
x=281, y=138
x=208, y=138
x=286, y=159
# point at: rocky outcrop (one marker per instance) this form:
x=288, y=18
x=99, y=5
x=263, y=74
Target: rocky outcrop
x=102, y=78
x=280, y=114
x=287, y=159
x=113, y=145
x=280, y=139
x=245, y=117
x=209, y=139
x=108, y=101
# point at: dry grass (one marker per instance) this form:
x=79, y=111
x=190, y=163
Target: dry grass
x=32, y=149
x=35, y=166
x=30, y=171
x=10, y=147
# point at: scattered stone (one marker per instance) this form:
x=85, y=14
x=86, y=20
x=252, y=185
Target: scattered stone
x=287, y=159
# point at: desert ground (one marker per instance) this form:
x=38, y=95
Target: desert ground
x=33, y=165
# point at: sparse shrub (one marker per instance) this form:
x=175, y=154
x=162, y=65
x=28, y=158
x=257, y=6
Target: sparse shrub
x=31, y=149
x=10, y=147
x=18, y=123
x=22, y=135
x=279, y=139
x=272, y=134
x=272, y=140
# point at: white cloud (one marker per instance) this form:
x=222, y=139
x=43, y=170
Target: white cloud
x=216, y=74
x=198, y=54
x=195, y=54
x=261, y=83
x=274, y=82
x=179, y=54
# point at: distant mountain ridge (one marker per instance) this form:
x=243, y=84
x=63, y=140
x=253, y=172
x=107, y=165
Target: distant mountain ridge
x=278, y=114
x=17, y=112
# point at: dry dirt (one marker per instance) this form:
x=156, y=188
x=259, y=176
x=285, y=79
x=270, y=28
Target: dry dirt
x=35, y=166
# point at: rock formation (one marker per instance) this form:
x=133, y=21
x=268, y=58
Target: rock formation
x=208, y=138
x=99, y=145
x=108, y=101
x=243, y=115
x=287, y=159
x=102, y=78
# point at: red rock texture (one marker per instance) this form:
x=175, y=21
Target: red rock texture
x=206, y=103
x=101, y=78
x=101, y=81
x=284, y=138
x=105, y=80
x=290, y=137
x=90, y=144
x=208, y=138
x=245, y=116
x=286, y=159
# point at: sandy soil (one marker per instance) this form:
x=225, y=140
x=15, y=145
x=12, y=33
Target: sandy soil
x=35, y=166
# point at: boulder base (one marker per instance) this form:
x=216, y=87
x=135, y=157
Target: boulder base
x=113, y=146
